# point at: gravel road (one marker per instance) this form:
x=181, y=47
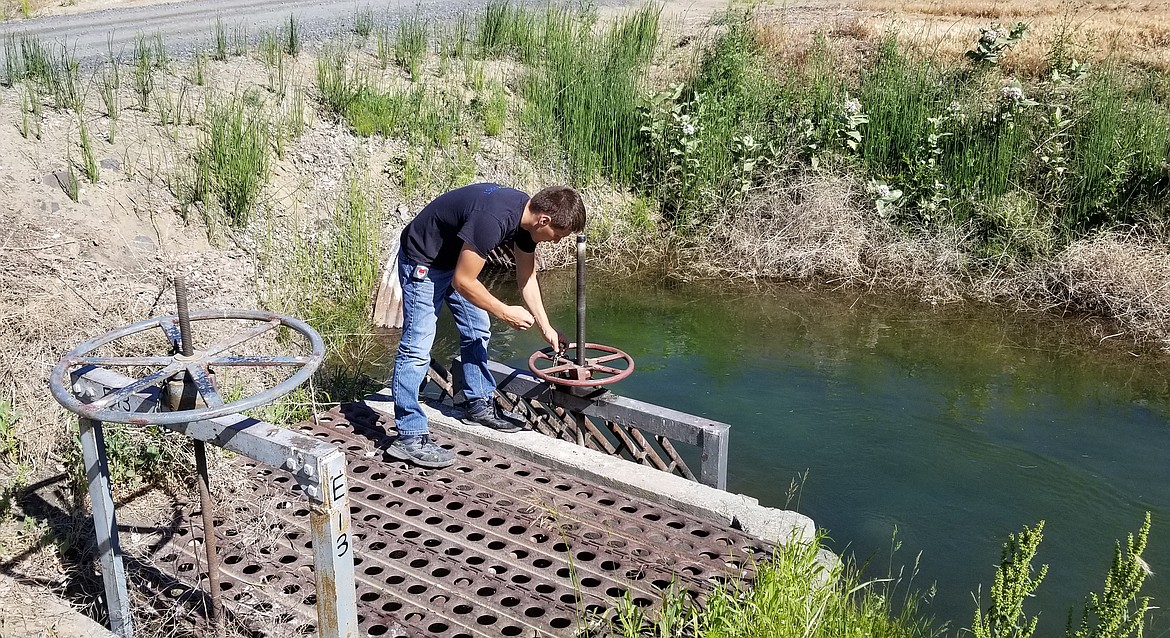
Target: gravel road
x=185, y=25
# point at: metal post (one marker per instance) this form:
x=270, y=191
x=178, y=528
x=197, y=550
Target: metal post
x=333, y=550
x=581, y=299
x=215, y=612
x=97, y=472
x=713, y=458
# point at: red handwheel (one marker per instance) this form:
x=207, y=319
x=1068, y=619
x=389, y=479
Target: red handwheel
x=603, y=364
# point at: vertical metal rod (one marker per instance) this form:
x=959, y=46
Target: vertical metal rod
x=581, y=299
x=105, y=525
x=215, y=613
x=209, y=536
x=184, y=316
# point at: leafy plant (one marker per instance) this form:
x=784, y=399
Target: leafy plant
x=1119, y=610
x=1014, y=582
x=994, y=41
x=849, y=120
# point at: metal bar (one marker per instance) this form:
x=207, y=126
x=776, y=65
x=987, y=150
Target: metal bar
x=259, y=361
x=713, y=459
x=259, y=440
x=581, y=299
x=97, y=472
x=603, y=442
x=171, y=331
x=199, y=379
x=215, y=613
x=154, y=362
x=134, y=387
x=333, y=552
x=675, y=458
x=648, y=451
x=240, y=337
x=188, y=348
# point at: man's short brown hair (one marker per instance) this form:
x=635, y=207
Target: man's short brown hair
x=563, y=205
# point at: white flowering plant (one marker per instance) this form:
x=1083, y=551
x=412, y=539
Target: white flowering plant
x=885, y=198
x=994, y=41
x=671, y=132
x=1011, y=101
x=848, y=120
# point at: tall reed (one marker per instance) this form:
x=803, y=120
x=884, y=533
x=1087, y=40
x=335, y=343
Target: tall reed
x=232, y=158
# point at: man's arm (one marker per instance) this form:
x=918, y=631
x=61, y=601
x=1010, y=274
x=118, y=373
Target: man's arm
x=467, y=283
x=530, y=292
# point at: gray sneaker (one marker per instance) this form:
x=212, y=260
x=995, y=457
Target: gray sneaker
x=481, y=413
x=421, y=451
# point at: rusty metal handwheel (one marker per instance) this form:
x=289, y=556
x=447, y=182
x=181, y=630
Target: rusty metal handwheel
x=562, y=369
x=166, y=366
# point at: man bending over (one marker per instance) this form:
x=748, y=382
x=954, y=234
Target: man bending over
x=442, y=253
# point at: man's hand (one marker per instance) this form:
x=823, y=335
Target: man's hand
x=517, y=316
x=555, y=339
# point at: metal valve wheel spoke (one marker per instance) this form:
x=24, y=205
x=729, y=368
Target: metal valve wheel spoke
x=259, y=361
x=206, y=387
x=149, y=381
x=145, y=362
x=197, y=367
x=239, y=338
x=565, y=371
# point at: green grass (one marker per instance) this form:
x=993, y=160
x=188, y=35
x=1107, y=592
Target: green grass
x=146, y=61
x=10, y=442
x=55, y=73
x=410, y=47
x=292, y=36
x=219, y=40
x=363, y=21
x=495, y=111
x=584, y=91
x=232, y=158
x=89, y=161
x=798, y=593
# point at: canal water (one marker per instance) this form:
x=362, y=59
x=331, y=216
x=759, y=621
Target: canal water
x=945, y=428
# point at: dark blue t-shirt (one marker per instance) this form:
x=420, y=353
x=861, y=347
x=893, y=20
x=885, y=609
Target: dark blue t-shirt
x=483, y=215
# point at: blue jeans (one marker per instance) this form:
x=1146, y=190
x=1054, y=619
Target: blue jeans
x=421, y=301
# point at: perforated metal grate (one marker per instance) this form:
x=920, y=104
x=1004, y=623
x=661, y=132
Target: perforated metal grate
x=491, y=546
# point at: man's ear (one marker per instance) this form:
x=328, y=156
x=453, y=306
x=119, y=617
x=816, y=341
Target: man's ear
x=543, y=220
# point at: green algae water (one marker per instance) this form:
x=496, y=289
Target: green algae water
x=942, y=429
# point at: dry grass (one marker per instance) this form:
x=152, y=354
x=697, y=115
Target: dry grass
x=1113, y=275
x=804, y=227
x=1137, y=31
x=812, y=227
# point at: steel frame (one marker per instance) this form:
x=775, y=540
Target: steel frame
x=317, y=466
